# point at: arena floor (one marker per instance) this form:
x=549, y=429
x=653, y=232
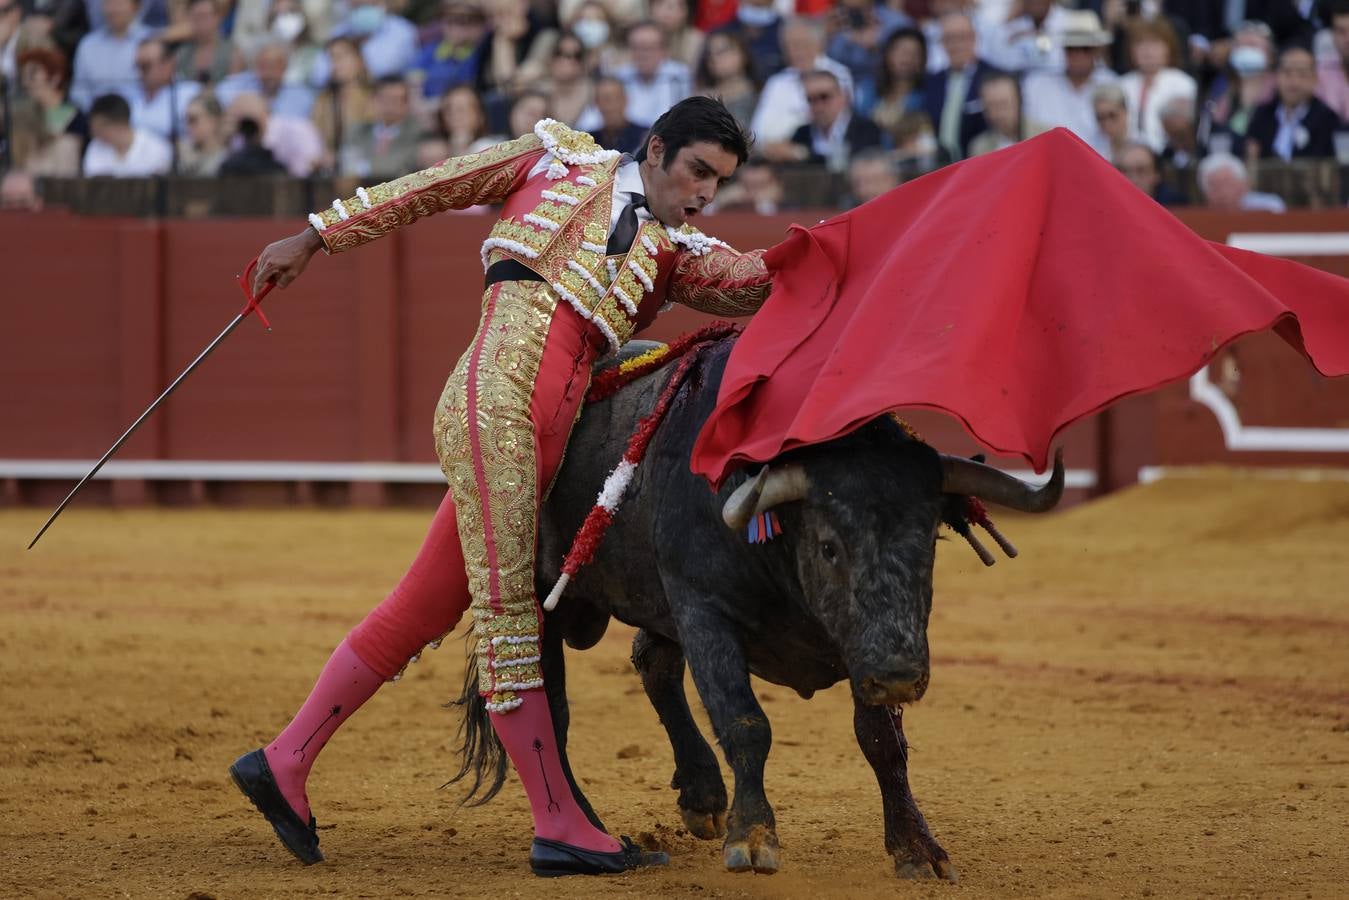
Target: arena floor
x=1152, y=701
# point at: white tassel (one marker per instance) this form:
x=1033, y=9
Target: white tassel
x=555, y=594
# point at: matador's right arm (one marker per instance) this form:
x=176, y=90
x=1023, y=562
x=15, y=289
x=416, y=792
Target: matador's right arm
x=458, y=183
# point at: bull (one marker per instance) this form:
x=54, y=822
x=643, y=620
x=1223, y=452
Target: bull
x=844, y=593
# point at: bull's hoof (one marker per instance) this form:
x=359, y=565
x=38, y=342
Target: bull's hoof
x=938, y=867
x=757, y=853
x=707, y=826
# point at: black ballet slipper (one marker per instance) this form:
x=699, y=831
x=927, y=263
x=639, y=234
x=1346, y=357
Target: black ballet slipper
x=550, y=859
x=254, y=778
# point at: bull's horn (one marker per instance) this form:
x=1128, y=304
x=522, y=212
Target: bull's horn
x=763, y=492
x=967, y=477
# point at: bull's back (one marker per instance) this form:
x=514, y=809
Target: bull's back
x=623, y=579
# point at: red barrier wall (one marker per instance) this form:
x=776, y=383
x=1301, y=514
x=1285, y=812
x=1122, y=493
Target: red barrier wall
x=99, y=314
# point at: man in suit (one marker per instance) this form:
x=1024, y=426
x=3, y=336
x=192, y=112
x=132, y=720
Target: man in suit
x=1295, y=124
x=386, y=147
x=834, y=133
x=951, y=96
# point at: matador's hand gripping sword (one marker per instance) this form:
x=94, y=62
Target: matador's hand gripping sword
x=253, y=305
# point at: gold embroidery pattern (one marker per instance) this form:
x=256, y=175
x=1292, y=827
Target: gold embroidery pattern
x=503, y=363
x=456, y=183
x=723, y=282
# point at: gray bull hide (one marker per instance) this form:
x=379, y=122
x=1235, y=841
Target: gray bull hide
x=844, y=593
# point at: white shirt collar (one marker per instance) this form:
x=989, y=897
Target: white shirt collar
x=628, y=180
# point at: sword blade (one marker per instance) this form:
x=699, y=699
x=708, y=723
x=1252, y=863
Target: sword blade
x=137, y=424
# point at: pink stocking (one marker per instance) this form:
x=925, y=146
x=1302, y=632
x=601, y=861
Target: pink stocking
x=527, y=733
x=345, y=683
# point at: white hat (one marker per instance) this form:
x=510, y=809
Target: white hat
x=1082, y=28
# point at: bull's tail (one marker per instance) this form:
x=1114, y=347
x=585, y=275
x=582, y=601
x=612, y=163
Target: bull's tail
x=482, y=758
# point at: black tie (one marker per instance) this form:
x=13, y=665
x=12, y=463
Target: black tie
x=626, y=229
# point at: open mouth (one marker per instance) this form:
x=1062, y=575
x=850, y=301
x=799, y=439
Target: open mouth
x=690, y=212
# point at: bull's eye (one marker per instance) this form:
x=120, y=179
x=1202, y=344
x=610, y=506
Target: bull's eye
x=829, y=551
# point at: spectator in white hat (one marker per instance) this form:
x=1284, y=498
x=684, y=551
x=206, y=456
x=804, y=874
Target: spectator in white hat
x=1064, y=99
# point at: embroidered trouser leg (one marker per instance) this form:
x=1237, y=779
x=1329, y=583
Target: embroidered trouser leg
x=501, y=428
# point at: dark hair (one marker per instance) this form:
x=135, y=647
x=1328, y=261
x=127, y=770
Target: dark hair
x=818, y=74
x=885, y=79
x=483, y=125
x=697, y=119
x=643, y=24
x=112, y=107
x=704, y=77
x=392, y=81
x=1294, y=46
x=995, y=77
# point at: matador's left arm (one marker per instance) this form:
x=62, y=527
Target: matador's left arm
x=722, y=281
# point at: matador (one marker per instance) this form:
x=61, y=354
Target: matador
x=588, y=248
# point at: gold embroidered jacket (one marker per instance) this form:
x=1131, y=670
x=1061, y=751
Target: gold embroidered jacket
x=557, y=224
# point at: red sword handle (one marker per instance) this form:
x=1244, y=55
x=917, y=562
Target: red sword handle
x=254, y=304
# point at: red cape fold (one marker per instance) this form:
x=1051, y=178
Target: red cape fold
x=1018, y=291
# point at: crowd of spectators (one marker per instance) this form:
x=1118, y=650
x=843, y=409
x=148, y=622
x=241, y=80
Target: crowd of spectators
x=1184, y=97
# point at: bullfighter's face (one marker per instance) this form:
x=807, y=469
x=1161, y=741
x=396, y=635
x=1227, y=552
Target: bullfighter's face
x=678, y=188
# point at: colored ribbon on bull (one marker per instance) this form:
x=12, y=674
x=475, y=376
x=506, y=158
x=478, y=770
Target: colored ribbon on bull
x=764, y=527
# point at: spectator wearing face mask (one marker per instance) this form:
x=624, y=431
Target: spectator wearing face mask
x=388, y=42
x=1246, y=83
x=759, y=26
x=595, y=29
x=259, y=21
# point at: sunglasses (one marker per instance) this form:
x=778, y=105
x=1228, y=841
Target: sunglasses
x=568, y=54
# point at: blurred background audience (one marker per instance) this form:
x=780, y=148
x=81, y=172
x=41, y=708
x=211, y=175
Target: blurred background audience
x=1194, y=101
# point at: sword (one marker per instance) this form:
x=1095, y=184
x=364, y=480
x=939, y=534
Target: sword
x=253, y=305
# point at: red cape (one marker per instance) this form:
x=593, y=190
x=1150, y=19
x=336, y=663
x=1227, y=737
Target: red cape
x=1018, y=292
